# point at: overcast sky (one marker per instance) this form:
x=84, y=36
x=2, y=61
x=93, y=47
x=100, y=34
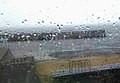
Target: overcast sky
x=37, y=12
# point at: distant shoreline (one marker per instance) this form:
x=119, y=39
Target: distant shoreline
x=84, y=53
x=52, y=36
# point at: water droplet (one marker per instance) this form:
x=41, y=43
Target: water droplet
x=114, y=24
x=58, y=25
x=19, y=42
x=91, y=21
x=1, y=13
x=88, y=28
x=42, y=21
x=76, y=27
x=118, y=18
x=28, y=41
x=38, y=22
x=59, y=42
x=92, y=14
x=59, y=28
x=61, y=24
x=22, y=21
x=99, y=40
x=108, y=20
x=110, y=34
x=110, y=38
x=34, y=34
x=25, y=20
x=56, y=45
x=79, y=36
x=50, y=22
x=116, y=33
x=23, y=36
x=98, y=17
x=40, y=44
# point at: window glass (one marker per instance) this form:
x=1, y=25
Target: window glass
x=59, y=41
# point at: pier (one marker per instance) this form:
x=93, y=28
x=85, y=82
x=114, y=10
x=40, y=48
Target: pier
x=68, y=72
x=77, y=65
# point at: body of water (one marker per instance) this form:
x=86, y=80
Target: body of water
x=41, y=49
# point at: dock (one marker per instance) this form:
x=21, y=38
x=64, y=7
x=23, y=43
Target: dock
x=68, y=72
x=63, y=67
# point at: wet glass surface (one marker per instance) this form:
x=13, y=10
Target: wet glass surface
x=59, y=41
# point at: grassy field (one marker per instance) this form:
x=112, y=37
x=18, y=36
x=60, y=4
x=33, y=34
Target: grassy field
x=45, y=67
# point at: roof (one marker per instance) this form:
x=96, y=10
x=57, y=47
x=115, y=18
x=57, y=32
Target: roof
x=3, y=52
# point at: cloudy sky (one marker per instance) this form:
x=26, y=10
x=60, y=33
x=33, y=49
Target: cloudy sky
x=18, y=13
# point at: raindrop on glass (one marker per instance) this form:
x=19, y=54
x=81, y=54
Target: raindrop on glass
x=59, y=28
x=108, y=20
x=23, y=36
x=50, y=22
x=110, y=34
x=114, y=24
x=42, y=21
x=99, y=40
x=92, y=14
x=98, y=17
x=22, y=21
x=40, y=44
x=1, y=13
x=72, y=44
x=59, y=42
x=76, y=27
x=118, y=18
x=61, y=24
x=28, y=41
x=25, y=20
x=58, y=25
x=38, y=22
x=70, y=22
x=19, y=42
x=88, y=28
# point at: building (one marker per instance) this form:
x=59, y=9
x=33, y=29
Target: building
x=16, y=70
x=5, y=55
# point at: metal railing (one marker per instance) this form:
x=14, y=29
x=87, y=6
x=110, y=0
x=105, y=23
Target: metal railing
x=83, y=64
x=74, y=67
